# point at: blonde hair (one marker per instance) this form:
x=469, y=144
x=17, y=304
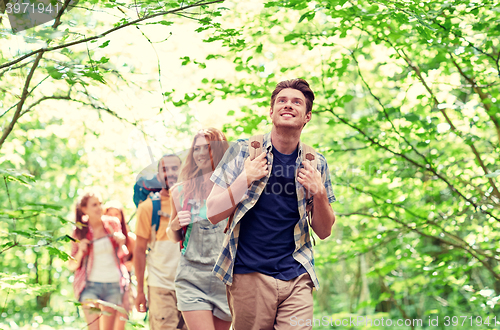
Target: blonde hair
x=191, y=176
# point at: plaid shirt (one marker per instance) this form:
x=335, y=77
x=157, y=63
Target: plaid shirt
x=230, y=167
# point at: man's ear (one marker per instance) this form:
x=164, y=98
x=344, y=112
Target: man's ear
x=308, y=116
x=271, y=112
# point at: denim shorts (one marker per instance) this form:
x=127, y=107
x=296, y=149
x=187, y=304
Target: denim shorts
x=109, y=292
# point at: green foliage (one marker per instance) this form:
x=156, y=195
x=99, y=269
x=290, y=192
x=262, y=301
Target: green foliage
x=407, y=114
x=56, y=83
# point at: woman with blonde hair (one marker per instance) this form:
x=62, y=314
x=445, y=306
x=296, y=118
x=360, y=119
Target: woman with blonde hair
x=200, y=294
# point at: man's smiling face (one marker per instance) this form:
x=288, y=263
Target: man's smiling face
x=289, y=109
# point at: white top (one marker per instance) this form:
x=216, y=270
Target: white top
x=104, y=269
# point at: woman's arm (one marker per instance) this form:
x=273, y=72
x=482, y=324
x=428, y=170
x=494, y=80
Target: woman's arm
x=174, y=231
x=177, y=219
x=221, y=202
x=113, y=224
x=78, y=252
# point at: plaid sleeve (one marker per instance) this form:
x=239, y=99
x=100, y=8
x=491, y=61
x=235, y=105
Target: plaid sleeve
x=325, y=175
x=74, y=248
x=230, y=166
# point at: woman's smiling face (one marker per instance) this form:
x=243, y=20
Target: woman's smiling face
x=201, y=154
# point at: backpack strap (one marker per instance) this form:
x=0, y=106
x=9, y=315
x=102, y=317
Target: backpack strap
x=308, y=153
x=185, y=207
x=155, y=215
x=255, y=143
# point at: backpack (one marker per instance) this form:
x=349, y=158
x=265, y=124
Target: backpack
x=255, y=144
x=145, y=187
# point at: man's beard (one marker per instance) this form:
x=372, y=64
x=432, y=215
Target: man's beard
x=171, y=178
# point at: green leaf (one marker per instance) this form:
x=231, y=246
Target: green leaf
x=16, y=176
x=105, y=44
x=304, y=16
x=47, y=206
x=61, y=254
x=167, y=23
x=214, y=56
x=412, y=117
x=95, y=75
x=54, y=73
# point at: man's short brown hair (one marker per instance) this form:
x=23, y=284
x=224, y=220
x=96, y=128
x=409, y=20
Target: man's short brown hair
x=298, y=84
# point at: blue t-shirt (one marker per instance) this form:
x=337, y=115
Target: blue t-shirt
x=266, y=241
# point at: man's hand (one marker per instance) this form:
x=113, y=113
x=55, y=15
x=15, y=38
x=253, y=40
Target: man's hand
x=310, y=178
x=256, y=169
x=140, y=302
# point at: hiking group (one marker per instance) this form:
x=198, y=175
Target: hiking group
x=224, y=236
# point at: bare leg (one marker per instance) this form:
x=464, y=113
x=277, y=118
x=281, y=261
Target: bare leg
x=108, y=320
x=220, y=324
x=120, y=321
x=199, y=320
x=91, y=317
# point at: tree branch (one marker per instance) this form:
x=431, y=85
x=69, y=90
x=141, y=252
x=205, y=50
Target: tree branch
x=426, y=220
x=425, y=168
x=14, y=68
x=371, y=249
x=385, y=112
x=448, y=120
x=57, y=21
x=429, y=168
x=482, y=96
x=23, y=99
x=49, y=49
x=53, y=97
x=470, y=44
x=416, y=69
x=98, y=107
x=466, y=248
x=9, y=247
x=487, y=106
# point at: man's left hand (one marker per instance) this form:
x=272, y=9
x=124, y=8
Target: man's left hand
x=310, y=178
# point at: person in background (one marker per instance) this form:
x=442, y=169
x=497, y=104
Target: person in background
x=115, y=209
x=97, y=252
x=147, y=185
x=201, y=295
x=162, y=257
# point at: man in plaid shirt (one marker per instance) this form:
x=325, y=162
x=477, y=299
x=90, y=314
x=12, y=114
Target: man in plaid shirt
x=267, y=260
